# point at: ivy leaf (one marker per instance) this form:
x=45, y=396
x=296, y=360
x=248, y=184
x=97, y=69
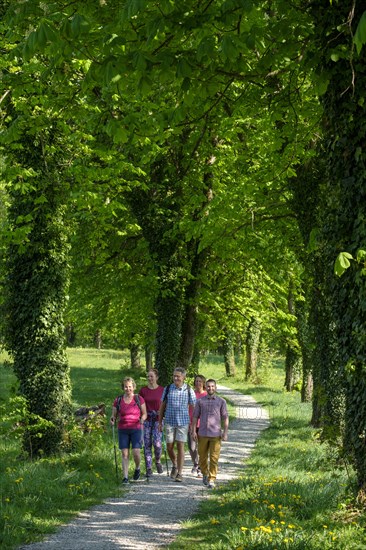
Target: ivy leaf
x=361, y=255
x=360, y=34
x=342, y=263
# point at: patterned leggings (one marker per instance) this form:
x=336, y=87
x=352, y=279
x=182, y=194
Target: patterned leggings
x=152, y=438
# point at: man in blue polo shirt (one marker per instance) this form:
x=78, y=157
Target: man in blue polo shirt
x=175, y=402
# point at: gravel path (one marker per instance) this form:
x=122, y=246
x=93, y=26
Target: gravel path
x=149, y=516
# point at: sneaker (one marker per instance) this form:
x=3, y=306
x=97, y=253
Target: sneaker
x=194, y=471
x=179, y=477
x=159, y=467
x=125, y=480
x=211, y=485
x=199, y=473
x=205, y=480
x=173, y=473
x=149, y=472
x=136, y=474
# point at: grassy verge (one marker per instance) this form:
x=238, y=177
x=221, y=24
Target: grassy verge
x=38, y=496
x=292, y=493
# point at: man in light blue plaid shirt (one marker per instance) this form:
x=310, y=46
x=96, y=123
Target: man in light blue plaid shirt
x=175, y=403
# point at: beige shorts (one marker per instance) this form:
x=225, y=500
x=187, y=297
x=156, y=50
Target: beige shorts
x=176, y=433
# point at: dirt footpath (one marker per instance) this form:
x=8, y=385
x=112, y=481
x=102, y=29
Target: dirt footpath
x=149, y=516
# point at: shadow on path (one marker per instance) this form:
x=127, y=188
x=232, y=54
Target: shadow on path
x=149, y=515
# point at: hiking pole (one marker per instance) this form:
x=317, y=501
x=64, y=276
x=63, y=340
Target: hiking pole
x=115, y=451
x=164, y=447
x=143, y=451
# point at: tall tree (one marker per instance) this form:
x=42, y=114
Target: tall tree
x=342, y=76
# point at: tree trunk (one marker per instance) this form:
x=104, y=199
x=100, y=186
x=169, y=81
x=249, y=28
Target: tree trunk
x=135, y=356
x=307, y=387
x=189, y=324
x=35, y=302
x=70, y=334
x=229, y=356
x=168, y=336
x=292, y=368
x=303, y=332
x=149, y=357
x=251, y=349
x=342, y=225
x=98, y=339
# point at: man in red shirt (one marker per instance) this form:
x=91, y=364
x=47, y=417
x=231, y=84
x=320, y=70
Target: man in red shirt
x=212, y=413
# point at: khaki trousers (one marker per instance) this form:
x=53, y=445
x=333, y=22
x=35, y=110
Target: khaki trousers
x=209, y=454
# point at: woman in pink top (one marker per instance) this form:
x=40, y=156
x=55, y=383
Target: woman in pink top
x=199, y=390
x=131, y=410
x=152, y=436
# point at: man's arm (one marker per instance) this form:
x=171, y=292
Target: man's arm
x=194, y=428
x=196, y=415
x=226, y=428
x=161, y=415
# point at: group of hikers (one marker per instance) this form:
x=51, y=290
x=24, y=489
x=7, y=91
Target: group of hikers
x=180, y=414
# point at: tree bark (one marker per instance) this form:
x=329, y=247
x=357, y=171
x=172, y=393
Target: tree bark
x=135, y=356
x=229, y=356
x=251, y=349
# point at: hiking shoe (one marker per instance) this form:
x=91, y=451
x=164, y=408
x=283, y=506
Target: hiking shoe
x=136, y=474
x=173, y=473
x=179, y=477
x=149, y=472
x=125, y=480
x=194, y=471
x=205, y=480
x=159, y=467
x=211, y=485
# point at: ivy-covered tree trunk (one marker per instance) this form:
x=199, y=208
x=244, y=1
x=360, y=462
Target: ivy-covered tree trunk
x=251, y=349
x=36, y=284
x=189, y=321
x=169, y=324
x=343, y=219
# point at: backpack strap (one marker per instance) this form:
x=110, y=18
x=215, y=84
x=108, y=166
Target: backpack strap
x=167, y=388
x=137, y=401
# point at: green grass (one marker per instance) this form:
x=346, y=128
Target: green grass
x=292, y=493
x=38, y=496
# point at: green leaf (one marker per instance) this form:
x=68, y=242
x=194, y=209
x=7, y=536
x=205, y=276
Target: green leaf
x=313, y=239
x=360, y=34
x=229, y=49
x=78, y=25
x=342, y=263
x=361, y=255
x=184, y=69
